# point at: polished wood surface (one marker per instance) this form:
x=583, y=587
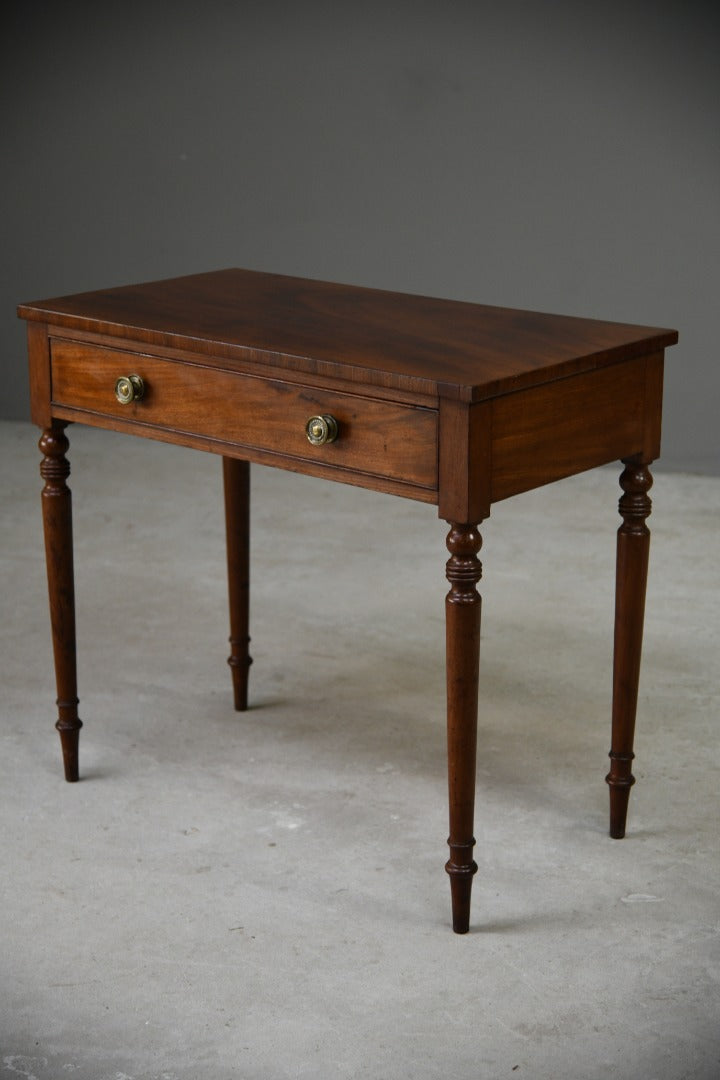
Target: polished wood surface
x=236, y=481
x=462, y=635
x=57, y=521
x=633, y=550
x=455, y=404
x=433, y=346
x=380, y=437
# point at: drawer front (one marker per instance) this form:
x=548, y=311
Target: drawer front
x=382, y=438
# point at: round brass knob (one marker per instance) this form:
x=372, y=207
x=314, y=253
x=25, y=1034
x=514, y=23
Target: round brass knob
x=129, y=388
x=321, y=430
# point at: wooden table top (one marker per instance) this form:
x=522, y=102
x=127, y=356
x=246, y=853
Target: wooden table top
x=446, y=348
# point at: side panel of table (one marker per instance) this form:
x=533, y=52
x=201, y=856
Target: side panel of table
x=520, y=441
x=565, y=427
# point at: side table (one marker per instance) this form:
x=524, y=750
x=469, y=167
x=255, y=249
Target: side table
x=454, y=404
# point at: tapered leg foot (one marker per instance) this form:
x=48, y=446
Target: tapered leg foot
x=461, y=879
x=633, y=549
x=57, y=524
x=239, y=671
x=619, y=799
x=236, y=481
x=462, y=622
x=69, y=743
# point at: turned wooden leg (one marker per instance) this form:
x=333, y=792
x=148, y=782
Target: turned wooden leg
x=462, y=621
x=236, y=477
x=57, y=523
x=633, y=547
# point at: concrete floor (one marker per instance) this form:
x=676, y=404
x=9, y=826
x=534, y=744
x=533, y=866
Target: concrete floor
x=263, y=895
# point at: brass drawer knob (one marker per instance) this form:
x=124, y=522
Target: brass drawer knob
x=321, y=430
x=129, y=388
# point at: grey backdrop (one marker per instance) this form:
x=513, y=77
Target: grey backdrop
x=556, y=156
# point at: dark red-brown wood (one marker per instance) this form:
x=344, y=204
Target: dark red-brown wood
x=57, y=521
x=423, y=344
x=457, y=404
x=40, y=374
x=633, y=549
x=462, y=626
x=236, y=481
x=377, y=437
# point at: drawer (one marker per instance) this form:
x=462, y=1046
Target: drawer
x=382, y=438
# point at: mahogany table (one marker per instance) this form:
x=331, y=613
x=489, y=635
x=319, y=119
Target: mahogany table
x=453, y=404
